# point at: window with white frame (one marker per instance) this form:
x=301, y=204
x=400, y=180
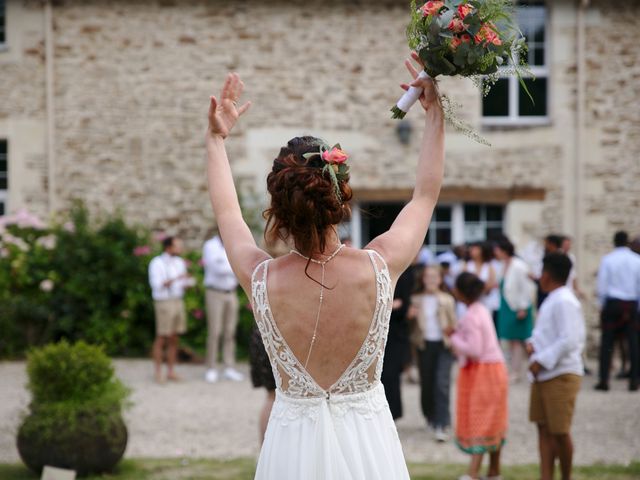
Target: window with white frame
x=3, y=18
x=508, y=103
x=451, y=224
x=4, y=175
x=440, y=234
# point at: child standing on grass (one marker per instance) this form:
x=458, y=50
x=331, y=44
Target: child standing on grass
x=481, y=413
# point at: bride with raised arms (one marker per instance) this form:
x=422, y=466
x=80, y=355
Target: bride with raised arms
x=323, y=309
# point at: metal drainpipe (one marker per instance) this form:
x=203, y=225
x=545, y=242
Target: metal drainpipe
x=579, y=148
x=49, y=91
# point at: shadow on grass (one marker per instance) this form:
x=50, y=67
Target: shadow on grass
x=243, y=469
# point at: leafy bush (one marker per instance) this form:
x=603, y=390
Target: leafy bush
x=73, y=374
x=82, y=279
x=75, y=412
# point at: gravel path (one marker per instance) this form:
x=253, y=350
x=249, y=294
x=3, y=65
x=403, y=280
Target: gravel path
x=195, y=419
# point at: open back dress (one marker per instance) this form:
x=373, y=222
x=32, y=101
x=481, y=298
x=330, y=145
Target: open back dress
x=345, y=432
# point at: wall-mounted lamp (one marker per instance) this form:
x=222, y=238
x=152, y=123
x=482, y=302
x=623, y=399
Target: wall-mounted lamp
x=403, y=131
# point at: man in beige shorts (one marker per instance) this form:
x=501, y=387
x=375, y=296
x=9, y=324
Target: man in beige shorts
x=168, y=278
x=555, y=365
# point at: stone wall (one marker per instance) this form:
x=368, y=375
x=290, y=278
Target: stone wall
x=132, y=81
x=22, y=104
x=613, y=121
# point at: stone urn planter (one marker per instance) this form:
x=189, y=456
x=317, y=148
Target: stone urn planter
x=75, y=424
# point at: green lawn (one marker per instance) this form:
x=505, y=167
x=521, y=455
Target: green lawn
x=175, y=469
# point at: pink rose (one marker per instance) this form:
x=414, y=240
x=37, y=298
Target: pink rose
x=464, y=10
x=159, y=236
x=455, y=43
x=488, y=35
x=142, y=250
x=465, y=37
x=335, y=155
x=432, y=8
x=457, y=25
x=197, y=313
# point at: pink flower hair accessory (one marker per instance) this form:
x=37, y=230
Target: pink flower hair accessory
x=335, y=164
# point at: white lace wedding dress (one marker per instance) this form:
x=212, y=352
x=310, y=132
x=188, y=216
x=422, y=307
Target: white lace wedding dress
x=343, y=433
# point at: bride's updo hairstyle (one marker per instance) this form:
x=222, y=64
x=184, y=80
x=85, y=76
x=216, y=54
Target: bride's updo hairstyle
x=304, y=203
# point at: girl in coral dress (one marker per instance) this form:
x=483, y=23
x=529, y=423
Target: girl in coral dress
x=482, y=415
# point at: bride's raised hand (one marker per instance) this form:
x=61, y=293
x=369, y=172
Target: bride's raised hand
x=224, y=112
x=429, y=97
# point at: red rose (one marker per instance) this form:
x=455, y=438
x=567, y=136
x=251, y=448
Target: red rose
x=457, y=25
x=464, y=10
x=432, y=8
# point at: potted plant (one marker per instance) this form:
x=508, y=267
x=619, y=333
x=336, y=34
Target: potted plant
x=75, y=415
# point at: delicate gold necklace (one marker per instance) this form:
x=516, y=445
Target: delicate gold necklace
x=322, y=263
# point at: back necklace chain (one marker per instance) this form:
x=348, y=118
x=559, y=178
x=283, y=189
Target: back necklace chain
x=322, y=263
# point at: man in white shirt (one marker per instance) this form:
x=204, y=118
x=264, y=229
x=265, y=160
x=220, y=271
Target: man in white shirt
x=572, y=281
x=168, y=278
x=555, y=365
x=222, y=310
x=618, y=294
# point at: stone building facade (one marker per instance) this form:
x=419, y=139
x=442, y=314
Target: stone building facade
x=107, y=101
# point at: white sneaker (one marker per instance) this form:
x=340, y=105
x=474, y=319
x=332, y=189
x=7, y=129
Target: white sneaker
x=233, y=374
x=441, y=435
x=211, y=376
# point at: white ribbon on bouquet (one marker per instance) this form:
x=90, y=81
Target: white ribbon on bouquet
x=411, y=96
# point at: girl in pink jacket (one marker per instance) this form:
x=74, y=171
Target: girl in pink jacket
x=481, y=411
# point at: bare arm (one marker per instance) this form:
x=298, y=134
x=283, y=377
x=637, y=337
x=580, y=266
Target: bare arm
x=241, y=248
x=401, y=243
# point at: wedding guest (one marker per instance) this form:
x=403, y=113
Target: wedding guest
x=635, y=245
x=261, y=377
x=480, y=263
x=618, y=294
x=555, y=365
x=222, y=310
x=552, y=244
x=481, y=410
x=572, y=281
x=426, y=256
x=515, y=316
x=397, y=352
x=168, y=278
x=432, y=313
x=450, y=262
x=347, y=240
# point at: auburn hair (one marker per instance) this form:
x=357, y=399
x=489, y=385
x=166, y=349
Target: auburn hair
x=304, y=203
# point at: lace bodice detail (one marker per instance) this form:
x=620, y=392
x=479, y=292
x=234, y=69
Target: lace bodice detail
x=291, y=377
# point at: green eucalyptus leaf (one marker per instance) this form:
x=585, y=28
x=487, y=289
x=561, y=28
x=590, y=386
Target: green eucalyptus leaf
x=445, y=18
x=473, y=28
x=450, y=67
x=434, y=29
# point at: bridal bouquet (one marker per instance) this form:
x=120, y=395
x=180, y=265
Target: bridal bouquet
x=470, y=38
